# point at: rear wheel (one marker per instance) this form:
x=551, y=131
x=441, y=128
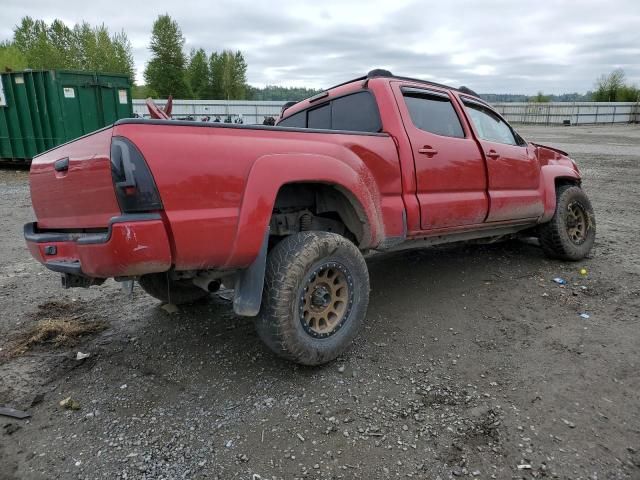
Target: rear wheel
x=570, y=234
x=315, y=297
x=178, y=292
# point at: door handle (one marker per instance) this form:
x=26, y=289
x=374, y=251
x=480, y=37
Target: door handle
x=493, y=154
x=428, y=151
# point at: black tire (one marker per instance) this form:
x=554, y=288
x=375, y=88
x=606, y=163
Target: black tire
x=178, y=292
x=301, y=271
x=562, y=237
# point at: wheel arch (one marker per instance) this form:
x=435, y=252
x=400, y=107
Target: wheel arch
x=554, y=176
x=326, y=198
x=353, y=185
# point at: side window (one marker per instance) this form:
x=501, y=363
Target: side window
x=320, y=117
x=489, y=125
x=357, y=112
x=298, y=120
x=433, y=113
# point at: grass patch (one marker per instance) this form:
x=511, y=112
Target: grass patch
x=57, y=324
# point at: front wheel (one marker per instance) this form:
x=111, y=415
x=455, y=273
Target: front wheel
x=315, y=297
x=570, y=234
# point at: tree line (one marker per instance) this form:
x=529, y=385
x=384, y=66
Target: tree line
x=38, y=45
x=218, y=75
x=615, y=88
x=199, y=74
x=612, y=87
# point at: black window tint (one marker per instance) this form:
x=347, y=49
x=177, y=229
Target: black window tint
x=357, y=112
x=296, y=120
x=433, y=114
x=320, y=117
x=489, y=125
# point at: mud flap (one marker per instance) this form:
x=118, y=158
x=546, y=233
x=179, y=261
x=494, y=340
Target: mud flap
x=249, y=284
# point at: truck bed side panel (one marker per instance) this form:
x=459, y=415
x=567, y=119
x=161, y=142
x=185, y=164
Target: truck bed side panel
x=201, y=173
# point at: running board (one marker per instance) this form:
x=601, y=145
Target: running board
x=487, y=233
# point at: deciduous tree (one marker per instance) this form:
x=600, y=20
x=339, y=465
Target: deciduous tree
x=198, y=74
x=83, y=47
x=228, y=75
x=11, y=58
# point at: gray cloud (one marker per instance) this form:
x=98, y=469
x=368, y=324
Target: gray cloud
x=491, y=46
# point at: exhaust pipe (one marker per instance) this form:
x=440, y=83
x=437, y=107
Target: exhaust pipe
x=207, y=283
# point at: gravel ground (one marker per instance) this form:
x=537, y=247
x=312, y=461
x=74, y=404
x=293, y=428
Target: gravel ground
x=473, y=363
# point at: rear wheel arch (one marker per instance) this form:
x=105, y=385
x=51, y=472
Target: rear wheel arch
x=326, y=200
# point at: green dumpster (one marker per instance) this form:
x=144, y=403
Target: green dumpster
x=40, y=109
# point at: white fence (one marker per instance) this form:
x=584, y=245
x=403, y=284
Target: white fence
x=230, y=110
x=577, y=113
x=556, y=113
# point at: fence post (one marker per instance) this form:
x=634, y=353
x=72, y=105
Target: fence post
x=577, y=114
x=597, y=108
x=548, y=113
x=613, y=120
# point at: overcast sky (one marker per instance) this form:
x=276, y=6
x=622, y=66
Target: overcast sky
x=492, y=46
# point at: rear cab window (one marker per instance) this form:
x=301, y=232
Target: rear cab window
x=297, y=120
x=354, y=112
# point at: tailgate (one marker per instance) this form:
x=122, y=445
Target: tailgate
x=72, y=187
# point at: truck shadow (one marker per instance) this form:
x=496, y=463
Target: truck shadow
x=403, y=285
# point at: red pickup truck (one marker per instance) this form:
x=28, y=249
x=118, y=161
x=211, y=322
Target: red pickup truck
x=283, y=214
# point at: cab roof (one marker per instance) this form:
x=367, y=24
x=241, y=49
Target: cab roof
x=376, y=73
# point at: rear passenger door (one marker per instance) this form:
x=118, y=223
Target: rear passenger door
x=450, y=170
x=512, y=166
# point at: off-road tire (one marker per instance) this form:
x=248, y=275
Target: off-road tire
x=177, y=292
x=555, y=239
x=290, y=267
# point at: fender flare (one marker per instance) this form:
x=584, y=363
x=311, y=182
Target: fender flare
x=549, y=175
x=270, y=172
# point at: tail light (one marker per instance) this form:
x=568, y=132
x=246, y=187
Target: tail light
x=135, y=188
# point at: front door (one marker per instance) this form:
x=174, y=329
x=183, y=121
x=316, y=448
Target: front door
x=512, y=166
x=450, y=171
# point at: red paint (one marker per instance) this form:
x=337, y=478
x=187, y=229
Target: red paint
x=133, y=249
x=218, y=185
x=81, y=197
x=451, y=182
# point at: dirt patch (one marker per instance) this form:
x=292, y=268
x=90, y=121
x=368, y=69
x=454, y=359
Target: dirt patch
x=58, y=324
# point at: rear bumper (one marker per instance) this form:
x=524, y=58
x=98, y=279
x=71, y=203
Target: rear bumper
x=132, y=245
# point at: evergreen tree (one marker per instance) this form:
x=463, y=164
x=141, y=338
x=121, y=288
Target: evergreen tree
x=165, y=72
